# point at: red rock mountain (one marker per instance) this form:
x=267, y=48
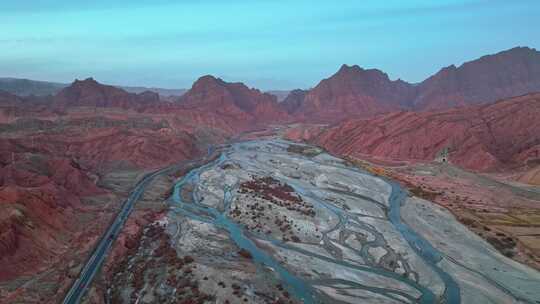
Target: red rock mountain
x=233, y=99
x=506, y=74
x=356, y=92
x=480, y=137
x=90, y=93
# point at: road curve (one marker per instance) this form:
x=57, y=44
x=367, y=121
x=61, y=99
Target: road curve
x=105, y=243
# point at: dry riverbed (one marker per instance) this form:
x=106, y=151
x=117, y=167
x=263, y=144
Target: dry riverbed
x=276, y=222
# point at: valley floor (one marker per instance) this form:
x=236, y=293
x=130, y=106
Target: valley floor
x=272, y=221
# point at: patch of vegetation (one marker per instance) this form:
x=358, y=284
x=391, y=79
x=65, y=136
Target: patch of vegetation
x=277, y=193
x=304, y=150
x=423, y=193
x=378, y=171
x=158, y=268
x=503, y=243
x=244, y=253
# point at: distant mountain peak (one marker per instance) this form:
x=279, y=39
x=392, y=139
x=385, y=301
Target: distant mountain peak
x=210, y=93
x=208, y=78
x=357, y=73
x=508, y=73
x=352, y=90
x=89, y=80
x=208, y=81
x=517, y=49
x=27, y=87
x=91, y=86
x=345, y=68
x=89, y=92
x=356, y=91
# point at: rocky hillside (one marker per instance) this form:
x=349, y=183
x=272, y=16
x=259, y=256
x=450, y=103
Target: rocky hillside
x=39, y=195
x=485, y=137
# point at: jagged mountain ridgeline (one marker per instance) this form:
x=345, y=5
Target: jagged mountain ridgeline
x=351, y=92
x=376, y=115
x=354, y=91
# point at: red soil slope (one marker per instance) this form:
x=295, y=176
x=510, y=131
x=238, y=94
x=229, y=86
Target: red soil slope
x=478, y=137
x=38, y=196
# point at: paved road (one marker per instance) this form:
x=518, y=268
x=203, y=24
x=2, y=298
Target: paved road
x=100, y=252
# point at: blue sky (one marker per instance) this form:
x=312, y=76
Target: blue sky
x=266, y=44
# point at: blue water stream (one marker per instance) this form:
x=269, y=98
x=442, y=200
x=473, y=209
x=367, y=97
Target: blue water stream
x=421, y=246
